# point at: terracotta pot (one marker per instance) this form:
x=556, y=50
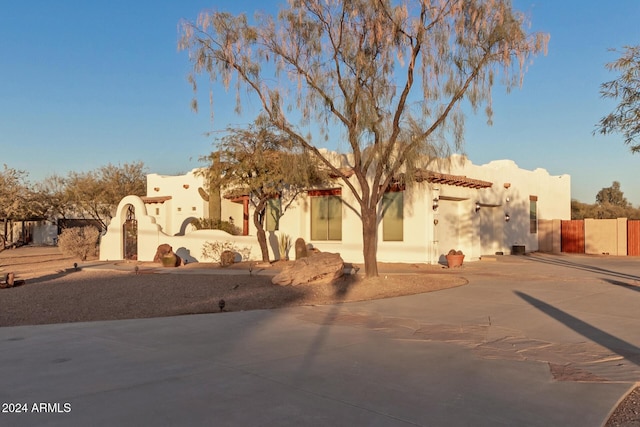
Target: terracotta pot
x=454, y=260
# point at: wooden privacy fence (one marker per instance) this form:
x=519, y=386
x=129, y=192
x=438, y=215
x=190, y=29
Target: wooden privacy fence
x=572, y=236
x=633, y=237
x=594, y=236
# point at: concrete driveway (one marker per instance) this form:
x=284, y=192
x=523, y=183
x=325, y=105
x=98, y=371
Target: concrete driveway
x=532, y=340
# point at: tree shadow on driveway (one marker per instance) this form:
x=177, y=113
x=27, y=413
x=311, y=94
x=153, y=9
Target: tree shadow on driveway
x=623, y=285
x=570, y=262
x=614, y=344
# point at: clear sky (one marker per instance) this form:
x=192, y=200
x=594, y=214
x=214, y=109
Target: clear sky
x=86, y=83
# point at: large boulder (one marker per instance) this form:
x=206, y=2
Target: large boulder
x=166, y=256
x=321, y=267
x=162, y=251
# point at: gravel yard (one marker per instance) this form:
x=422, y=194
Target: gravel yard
x=55, y=293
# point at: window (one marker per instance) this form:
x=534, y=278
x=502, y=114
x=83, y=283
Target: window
x=326, y=214
x=533, y=214
x=392, y=216
x=273, y=214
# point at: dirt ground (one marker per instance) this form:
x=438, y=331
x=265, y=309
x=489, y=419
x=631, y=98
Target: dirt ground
x=56, y=292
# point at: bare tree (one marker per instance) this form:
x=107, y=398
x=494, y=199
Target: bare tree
x=52, y=197
x=390, y=76
x=96, y=194
x=13, y=189
x=625, y=118
x=15, y=193
x=261, y=162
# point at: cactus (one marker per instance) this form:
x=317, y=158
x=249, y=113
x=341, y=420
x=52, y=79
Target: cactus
x=214, y=200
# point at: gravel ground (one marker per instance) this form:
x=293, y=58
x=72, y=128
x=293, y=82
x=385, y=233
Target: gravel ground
x=627, y=413
x=108, y=295
x=54, y=292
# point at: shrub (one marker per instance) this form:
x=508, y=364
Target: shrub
x=217, y=224
x=214, y=250
x=454, y=252
x=79, y=242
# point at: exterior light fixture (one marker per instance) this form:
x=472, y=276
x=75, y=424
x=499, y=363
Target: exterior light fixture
x=435, y=204
x=507, y=217
x=435, y=221
x=477, y=206
x=508, y=199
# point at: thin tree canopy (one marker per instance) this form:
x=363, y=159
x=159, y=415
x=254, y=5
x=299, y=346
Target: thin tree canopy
x=625, y=118
x=390, y=77
x=610, y=203
x=95, y=194
x=14, y=195
x=260, y=162
x=612, y=195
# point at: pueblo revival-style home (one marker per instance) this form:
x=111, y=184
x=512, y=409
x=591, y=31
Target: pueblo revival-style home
x=479, y=209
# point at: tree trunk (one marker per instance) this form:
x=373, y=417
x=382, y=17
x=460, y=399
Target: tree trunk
x=262, y=236
x=370, y=241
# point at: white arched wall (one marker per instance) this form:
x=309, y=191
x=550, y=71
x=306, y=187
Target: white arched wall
x=112, y=243
x=150, y=236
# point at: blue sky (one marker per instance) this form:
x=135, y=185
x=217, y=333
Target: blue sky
x=86, y=83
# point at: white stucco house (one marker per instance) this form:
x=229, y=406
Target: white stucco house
x=479, y=209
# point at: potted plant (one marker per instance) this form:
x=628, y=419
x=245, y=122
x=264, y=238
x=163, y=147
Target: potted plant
x=170, y=260
x=454, y=258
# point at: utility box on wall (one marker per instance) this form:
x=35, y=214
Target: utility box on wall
x=518, y=250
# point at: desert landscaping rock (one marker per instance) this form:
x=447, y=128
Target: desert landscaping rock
x=227, y=258
x=162, y=251
x=323, y=267
x=300, y=248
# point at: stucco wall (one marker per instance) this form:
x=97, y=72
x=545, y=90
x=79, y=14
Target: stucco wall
x=511, y=191
x=185, y=204
x=459, y=225
x=550, y=235
x=150, y=236
x=605, y=236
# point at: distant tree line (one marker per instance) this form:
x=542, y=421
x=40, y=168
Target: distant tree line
x=610, y=203
x=79, y=195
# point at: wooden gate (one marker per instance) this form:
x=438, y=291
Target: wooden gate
x=572, y=236
x=633, y=237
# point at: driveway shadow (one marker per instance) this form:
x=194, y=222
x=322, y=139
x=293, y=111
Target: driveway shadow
x=614, y=344
x=623, y=284
x=563, y=262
